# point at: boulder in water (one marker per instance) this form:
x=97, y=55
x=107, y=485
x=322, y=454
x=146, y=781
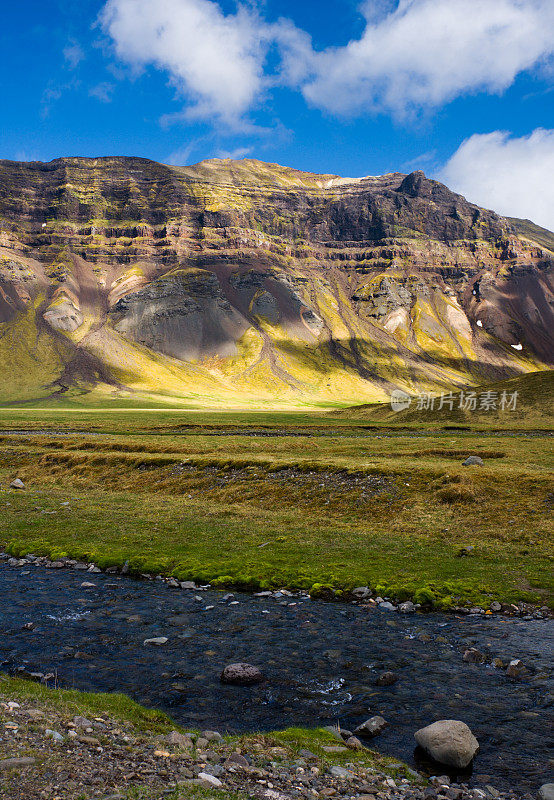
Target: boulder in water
x=546, y=792
x=448, y=741
x=371, y=727
x=241, y=674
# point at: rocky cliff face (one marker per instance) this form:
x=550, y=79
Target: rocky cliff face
x=247, y=282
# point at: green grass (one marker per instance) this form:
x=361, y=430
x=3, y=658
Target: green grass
x=69, y=703
x=534, y=408
x=234, y=516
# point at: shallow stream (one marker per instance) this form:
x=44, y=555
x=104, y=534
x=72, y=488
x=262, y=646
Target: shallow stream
x=321, y=661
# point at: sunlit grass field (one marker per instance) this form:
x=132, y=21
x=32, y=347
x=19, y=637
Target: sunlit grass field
x=297, y=499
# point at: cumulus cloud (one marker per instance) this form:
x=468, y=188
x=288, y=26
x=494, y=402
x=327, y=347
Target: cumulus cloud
x=215, y=60
x=511, y=175
x=412, y=55
x=426, y=52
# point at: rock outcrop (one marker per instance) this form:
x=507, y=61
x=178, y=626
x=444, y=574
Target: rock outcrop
x=249, y=280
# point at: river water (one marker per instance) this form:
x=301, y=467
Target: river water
x=321, y=661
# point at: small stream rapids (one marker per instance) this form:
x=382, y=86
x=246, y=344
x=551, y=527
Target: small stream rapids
x=321, y=662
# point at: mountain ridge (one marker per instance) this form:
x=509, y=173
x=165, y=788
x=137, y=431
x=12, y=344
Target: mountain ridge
x=241, y=281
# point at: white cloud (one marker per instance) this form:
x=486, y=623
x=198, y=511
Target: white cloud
x=214, y=60
x=513, y=176
x=426, y=52
x=102, y=91
x=73, y=54
x=238, y=152
x=412, y=55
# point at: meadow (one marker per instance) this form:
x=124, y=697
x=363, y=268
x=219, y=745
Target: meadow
x=303, y=499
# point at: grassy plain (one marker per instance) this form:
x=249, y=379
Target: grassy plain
x=297, y=499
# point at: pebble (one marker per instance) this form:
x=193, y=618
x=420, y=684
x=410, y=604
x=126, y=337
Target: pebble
x=57, y=737
x=157, y=640
x=211, y=780
x=340, y=772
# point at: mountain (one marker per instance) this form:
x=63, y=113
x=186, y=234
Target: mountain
x=241, y=283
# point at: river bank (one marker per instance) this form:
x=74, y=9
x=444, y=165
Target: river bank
x=323, y=662
x=68, y=745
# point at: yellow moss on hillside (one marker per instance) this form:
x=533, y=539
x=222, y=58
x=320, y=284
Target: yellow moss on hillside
x=31, y=360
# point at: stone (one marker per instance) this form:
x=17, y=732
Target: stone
x=448, y=741
x=515, y=668
x=211, y=780
x=353, y=743
x=361, y=592
x=496, y=606
x=212, y=736
x=201, y=743
x=386, y=606
x=473, y=461
x=241, y=674
x=371, y=727
x=57, y=737
x=334, y=748
x=215, y=769
x=157, y=641
x=466, y=550
x=236, y=760
x=340, y=772
x=91, y=740
x=386, y=679
x=17, y=484
x=473, y=656
x=35, y=713
x=11, y=763
x=179, y=740
x=82, y=722
x=546, y=792
x=407, y=607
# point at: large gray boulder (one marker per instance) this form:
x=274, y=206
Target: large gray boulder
x=241, y=674
x=546, y=792
x=448, y=741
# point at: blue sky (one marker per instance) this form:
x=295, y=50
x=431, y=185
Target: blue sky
x=462, y=89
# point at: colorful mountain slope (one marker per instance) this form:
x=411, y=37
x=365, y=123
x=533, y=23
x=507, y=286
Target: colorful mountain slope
x=244, y=283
